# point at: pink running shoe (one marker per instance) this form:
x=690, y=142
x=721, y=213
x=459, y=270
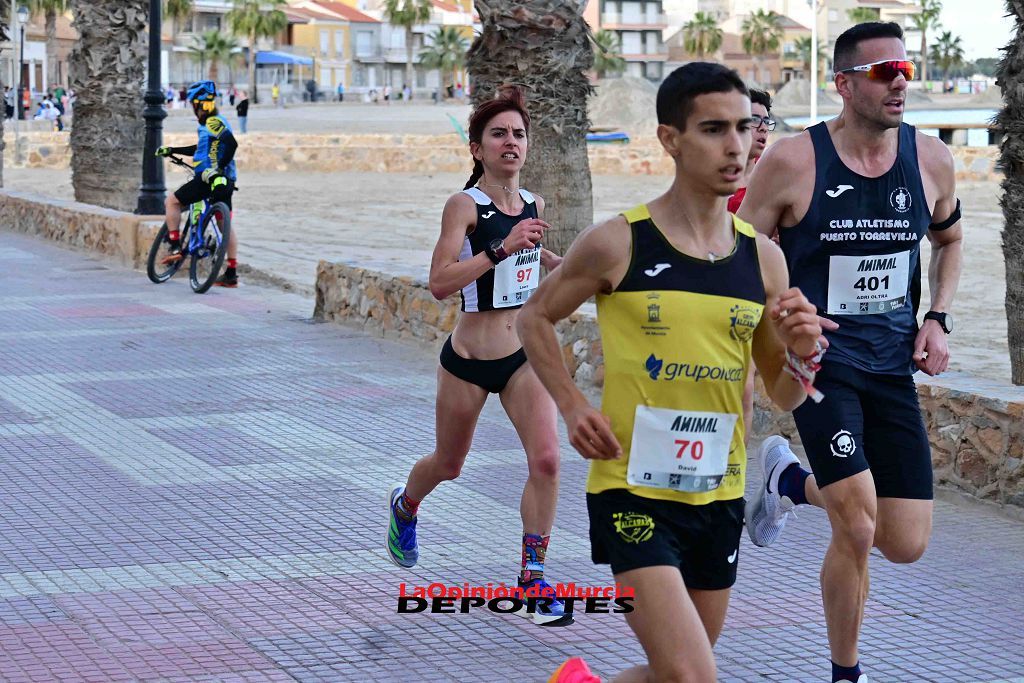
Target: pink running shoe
x=574, y=670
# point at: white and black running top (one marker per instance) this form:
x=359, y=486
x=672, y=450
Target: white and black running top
x=510, y=283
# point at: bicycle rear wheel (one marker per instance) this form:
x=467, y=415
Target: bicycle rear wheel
x=156, y=269
x=209, y=257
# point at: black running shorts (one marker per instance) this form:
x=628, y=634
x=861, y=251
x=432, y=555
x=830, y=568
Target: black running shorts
x=491, y=375
x=196, y=190
x=629, y=531
x=867, y=421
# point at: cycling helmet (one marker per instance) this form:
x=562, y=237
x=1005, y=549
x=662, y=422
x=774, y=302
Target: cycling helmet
x=204, y=92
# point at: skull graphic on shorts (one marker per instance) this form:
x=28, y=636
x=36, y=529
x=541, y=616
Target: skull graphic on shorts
x=842, y=444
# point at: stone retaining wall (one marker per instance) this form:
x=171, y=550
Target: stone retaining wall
x=976, y=427
x=122, y=236
x=377, y=153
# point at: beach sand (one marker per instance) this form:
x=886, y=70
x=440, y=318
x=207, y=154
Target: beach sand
x=289, y=221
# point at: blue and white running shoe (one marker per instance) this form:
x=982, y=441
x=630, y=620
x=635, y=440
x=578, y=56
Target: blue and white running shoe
x=766, y=510
x=545, y=614
x=401, y=543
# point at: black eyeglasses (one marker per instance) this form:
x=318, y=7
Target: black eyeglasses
x=758, y=120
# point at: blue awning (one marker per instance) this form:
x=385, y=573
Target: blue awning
x=273, y=57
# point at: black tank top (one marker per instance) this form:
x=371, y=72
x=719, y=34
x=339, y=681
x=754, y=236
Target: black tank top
x=856, y=254
x=510, y=283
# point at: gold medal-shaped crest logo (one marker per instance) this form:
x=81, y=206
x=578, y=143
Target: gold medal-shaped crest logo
x=743, y=321
x=633, y=527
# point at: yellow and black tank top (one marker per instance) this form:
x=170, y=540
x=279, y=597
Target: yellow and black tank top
x=677, y=335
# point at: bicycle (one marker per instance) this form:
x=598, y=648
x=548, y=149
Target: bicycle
x=206, y=244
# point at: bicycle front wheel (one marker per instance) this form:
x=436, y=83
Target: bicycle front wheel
x=159, y=265
x=209, y=257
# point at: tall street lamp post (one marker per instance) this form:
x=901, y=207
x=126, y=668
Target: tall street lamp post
x=152, y=191
x=23, y=16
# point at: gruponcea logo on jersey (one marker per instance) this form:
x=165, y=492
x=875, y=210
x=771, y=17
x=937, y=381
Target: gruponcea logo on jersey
x=742, y=322
x=657, y=368
x=633, y=527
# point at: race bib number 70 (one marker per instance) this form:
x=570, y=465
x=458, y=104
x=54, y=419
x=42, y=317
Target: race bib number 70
x=683, y=450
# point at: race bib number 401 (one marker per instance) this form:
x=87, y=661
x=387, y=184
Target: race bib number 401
x=516, y=277
x=683, y=450
x=866, y=285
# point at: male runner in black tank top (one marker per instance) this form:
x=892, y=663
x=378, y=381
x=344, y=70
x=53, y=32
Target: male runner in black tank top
x=850, y=224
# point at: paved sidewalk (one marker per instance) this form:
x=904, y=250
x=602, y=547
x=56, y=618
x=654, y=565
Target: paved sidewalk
x=193, y=489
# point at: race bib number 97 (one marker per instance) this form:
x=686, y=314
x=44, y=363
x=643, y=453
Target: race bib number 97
x=683, y=450
x=516, y=277
x=867, y=285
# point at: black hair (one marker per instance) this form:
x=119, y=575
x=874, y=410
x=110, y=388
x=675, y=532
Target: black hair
x=681, y=88
x=845, y=54
x=761, y=97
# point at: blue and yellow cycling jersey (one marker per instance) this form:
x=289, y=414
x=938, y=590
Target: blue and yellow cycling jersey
x=209, y=148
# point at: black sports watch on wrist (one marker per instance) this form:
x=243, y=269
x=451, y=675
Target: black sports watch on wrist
x=496, y=251
x=945, y=320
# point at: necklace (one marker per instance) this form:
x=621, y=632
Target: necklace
x=504, y=187
x=712, y=256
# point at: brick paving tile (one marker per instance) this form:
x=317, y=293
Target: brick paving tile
x=193, y=490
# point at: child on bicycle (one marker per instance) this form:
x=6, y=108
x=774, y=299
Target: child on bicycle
x=215, y=174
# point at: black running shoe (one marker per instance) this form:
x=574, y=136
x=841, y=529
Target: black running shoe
x=228, y=279
x=173, y=254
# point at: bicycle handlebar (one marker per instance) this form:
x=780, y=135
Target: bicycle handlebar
x=178, y=161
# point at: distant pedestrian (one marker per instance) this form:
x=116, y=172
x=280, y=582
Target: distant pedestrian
x=242, y=108
x=232, y=93
x=275, y=95
x=341, y=92
x=9, y=101
x=406, y=93
x=387, y=94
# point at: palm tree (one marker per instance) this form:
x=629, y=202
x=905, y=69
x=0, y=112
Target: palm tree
x=924, y=22
x=761, y=33
x=214, y=47
x=948, y=53
x=107, y=71
x=608, y=56
x=406, y=14
x=1010, y=78
x=446, y=52
x=702, y=35
x=803, y=48
x=256, y=19
x=51, y=9
x=177, y=10
x=862, y=15
x=544, y=47
x=5, y=13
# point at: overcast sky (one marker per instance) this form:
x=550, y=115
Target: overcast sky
x=981, y=23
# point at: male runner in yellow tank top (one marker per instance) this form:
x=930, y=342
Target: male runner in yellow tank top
x=687, y=296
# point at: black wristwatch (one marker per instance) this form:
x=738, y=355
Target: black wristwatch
x=496, y=251
x=945, y=320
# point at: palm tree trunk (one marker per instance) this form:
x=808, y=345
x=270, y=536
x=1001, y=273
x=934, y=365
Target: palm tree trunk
x=1010, y=77
x=252, y=67
x=108, y=68
x=924, y=60
x=51, y=50
x=408, y=60
x=3, y=147
x=544, y=47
